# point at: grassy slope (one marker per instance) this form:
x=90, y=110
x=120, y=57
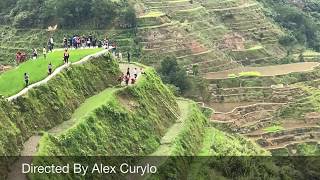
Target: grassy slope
x=13, y=81
x=129, y=121
x=111, y=116
x=51, y=104
x=218, y=143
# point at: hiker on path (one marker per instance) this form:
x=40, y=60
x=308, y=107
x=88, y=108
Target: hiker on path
x=50, y=68
x=135, y=73
x=66, y=56
x=129, y=60
x=51, y=43
x=128, y=72
x=133, y=80
x=35, y=53
x=120, y=79
x=65, y=42
x=141, y=71
x=127, y=79
x=70, y=42
x=44, y=52
x=26, y=79
x=49, y=46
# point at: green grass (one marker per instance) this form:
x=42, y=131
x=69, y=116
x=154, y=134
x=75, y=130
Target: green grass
x=92, y=103
x=232, y=76
x=85, y=109
x=250, y=74
x=274, y=128
x=152, y=14
x=12, y=81
x=218, y=143
x=311, y=53
x=245, y=74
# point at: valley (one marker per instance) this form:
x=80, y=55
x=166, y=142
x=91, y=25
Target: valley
x=193, y=87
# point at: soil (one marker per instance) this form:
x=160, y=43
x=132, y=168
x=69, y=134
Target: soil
x=266, y=70
x=227, y=107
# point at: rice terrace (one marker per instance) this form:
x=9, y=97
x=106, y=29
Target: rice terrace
x=159, y=89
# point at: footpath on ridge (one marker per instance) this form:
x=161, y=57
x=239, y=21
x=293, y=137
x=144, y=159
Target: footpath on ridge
x=30, y=147
x=167, y=143
x=55, y=72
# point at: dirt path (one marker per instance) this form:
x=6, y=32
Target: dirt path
x=57, y=71
x=29, y=149
x=266, y=70
x=90, y=104
x=165, y=149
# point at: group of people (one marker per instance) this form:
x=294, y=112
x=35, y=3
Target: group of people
x=77, y=41
x=66, y=56
x=20, y=56
x=129, y=78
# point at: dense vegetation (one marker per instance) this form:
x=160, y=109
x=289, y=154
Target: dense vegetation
x=130, y=121
x=118, y=112
x=300, y=20
x=67, y=14
x=172, y=73
x=48, y=105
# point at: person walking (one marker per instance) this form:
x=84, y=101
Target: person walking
x=127, y=79
x=66, y=56
x=65, y=42
x=51, y=43
x=50, y=68
x=129, y=57
x=44, y=52
x=35, y=53
x=128, y=72
x=135, y=73
x=26, y=79
x=49, y=46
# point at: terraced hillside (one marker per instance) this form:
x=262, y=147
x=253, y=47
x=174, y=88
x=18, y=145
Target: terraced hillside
x=282, y=118
x=213, y=35
x=13, y=40
x=152, y=121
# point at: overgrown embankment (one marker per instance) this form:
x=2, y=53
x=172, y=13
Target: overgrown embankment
x=51, y=104
x=130, y=122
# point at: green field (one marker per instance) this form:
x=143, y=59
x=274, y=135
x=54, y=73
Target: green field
x=273, y=129
x=12, y=81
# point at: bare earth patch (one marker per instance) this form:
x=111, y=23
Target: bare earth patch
x=266, y=70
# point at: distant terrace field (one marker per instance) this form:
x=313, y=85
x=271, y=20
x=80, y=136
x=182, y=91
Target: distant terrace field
x=266, y=70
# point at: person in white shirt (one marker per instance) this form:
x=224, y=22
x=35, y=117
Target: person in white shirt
x=135, y=73
x=44, y=51
x=51, y=43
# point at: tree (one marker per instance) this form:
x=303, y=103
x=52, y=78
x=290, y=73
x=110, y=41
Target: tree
x=69, y=13
x=172, y=73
